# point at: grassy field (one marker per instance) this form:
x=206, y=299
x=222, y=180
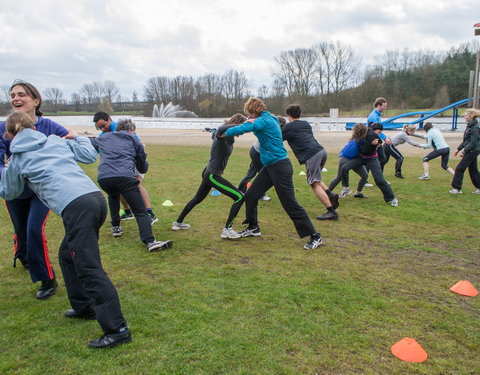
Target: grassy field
x=265, y=305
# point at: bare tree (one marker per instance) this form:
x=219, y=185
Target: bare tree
x=110, y=91
x=91, y=93
x=156, y=90
x=262, y=92
x=53, y=97
x=345, y=67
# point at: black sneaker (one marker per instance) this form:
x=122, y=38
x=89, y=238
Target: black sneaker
x=153, y=218
x=359, y=195
x=328, y=216
x=334, y=201
x=47, y=289
x=111, y=340
x=399, y=175
x=250, y=231
x=315, y=241
x=117, y=231
x=126, y=216
x=159, y=245
x=72, y=314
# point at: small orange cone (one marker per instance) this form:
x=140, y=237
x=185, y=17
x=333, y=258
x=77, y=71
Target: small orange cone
x=249, y=184
x=409, y=350
x=465, y=288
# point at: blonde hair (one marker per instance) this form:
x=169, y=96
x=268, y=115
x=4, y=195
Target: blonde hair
x=18, y=121
x=474, y=113
x=254, y=106
x=236, y=119
x=409, y=128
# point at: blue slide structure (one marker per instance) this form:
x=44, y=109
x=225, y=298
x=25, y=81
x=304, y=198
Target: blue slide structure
x=424, y=115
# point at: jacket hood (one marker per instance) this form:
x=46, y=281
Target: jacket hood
x=27, y=140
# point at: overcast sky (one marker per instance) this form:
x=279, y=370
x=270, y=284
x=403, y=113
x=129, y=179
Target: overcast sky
x=67, y=43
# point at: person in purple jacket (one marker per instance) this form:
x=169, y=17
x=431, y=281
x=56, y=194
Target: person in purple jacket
x=27, y=212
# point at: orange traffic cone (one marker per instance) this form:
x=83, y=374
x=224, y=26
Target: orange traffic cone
x=409, y=350
x=465, y=288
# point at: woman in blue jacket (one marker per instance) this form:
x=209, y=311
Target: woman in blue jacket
x=27, y=213
x=48, y=165
x=277, y=172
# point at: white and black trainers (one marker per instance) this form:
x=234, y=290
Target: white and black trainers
x=159, y=245
x=394, y=202
x=180, y=226
x=424, y=177
x=265, y=198
x=117, y=231
x=250, y=231
x=230, y=234
x=315, y=241
x=345, y=191
x=455, y=191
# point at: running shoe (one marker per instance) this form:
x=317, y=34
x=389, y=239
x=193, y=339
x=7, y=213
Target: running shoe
x=126, y=216
x=153, y=218
x=315, y=241
x=250, y=231
x=399, y=175
x=476, y=191
x=368, y=185
x=159, y=245
x=425, y=177
x=180, y=226
x=328, y=216
x=117, y=231
x=230, y=234
x=455, y=191
x=359, y=195
x=265, y=198
x=345, y=191
x=393, y=202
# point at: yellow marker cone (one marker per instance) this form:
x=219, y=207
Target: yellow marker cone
x=302, y=173
x=167, y=203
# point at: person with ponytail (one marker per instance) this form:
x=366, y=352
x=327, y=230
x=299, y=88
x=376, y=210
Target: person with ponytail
x=48, y=166
x=27, y=213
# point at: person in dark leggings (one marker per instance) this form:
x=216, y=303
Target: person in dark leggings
x=27, y=212
x=469, y=150
x=49, y=166
x=369, y=157
x=349, y=152
x=220, y=152
x=277, y=172
x=434, y=138
x=120, y=154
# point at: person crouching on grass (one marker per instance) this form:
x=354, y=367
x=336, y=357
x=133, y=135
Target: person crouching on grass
x=120, y=154
x=277, y=172
x=48, y=165
x=220, y=152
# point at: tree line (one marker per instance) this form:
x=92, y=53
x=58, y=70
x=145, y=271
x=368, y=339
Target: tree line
x=323, y=76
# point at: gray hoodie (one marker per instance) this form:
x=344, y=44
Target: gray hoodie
x=48, y=165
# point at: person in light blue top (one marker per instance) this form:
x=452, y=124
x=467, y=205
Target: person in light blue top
x=434, y=138
x=277, y=172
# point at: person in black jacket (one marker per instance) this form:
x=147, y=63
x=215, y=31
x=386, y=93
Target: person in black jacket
x=469, y=150
x=222, y=148
x=299, y=135
x=369, y=158
x=120, y=154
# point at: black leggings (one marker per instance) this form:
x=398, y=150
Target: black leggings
x=469, y=160
x=391, y=150
x=443, y=152
x=255, y=167
x=209, y=181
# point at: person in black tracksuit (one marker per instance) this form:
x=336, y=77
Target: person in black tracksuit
x=120, y=154
x=369, y=158
x=471, y=149
x=212, y=178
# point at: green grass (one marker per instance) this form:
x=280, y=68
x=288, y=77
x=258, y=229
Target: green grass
x=265, y=305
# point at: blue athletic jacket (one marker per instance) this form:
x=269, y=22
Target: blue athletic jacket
x=48, y=165
x=267, y=129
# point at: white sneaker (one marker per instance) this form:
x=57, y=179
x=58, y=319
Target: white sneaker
x=394, y=202
x=368, y=185
x=265, y=198
x=455, y=191
x=424, y=177
x=230, y=234
x=179, y=226
x=345, y=191
x=476, y=191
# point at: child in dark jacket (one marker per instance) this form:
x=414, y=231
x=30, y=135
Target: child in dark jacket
x=120, y=154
